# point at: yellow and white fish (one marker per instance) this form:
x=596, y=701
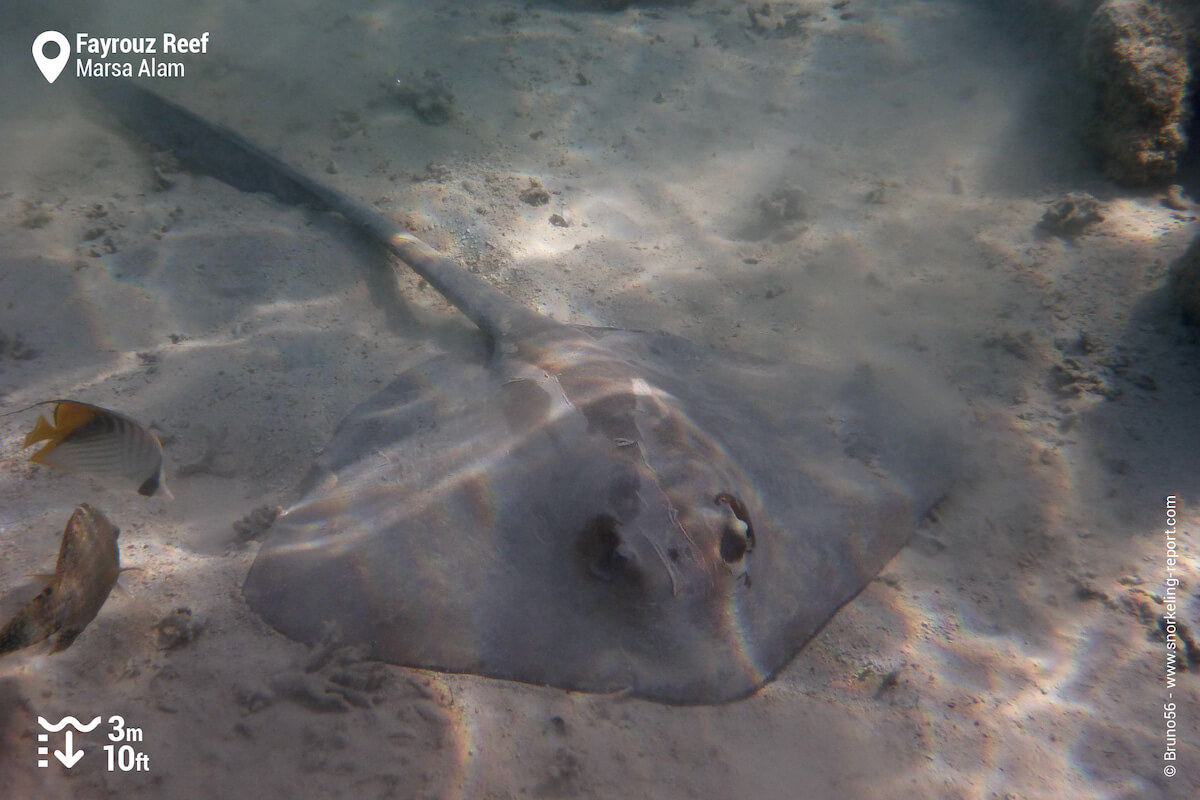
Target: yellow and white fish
x=95, y=441
x=89, y=562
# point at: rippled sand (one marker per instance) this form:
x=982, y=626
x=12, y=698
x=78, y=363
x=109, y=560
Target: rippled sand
x=868, y=185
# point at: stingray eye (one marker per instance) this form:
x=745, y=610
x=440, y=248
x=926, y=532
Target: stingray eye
x=733, y=546
x=600, y=543
x=737, y=538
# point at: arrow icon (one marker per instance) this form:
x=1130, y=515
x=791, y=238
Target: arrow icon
x=72, y=756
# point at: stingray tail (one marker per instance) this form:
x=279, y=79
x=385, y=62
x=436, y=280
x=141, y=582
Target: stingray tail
x=217, y=151
x=32, y=624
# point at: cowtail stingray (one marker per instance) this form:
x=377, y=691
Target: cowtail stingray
x=593, y=509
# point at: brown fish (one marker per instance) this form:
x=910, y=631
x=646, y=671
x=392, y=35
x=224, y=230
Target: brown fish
x=86, y=571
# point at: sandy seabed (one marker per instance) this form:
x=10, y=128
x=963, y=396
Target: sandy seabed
x=826, y=181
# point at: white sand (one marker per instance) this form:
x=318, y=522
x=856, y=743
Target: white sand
x=244, y=330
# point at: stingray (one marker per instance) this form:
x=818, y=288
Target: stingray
x=593, y=509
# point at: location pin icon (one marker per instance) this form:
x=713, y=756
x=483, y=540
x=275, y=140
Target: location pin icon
x=51, y=67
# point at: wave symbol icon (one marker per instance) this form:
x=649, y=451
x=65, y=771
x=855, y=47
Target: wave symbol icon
x=68, y=720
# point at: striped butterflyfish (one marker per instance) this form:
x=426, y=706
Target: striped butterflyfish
x=95, y=441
